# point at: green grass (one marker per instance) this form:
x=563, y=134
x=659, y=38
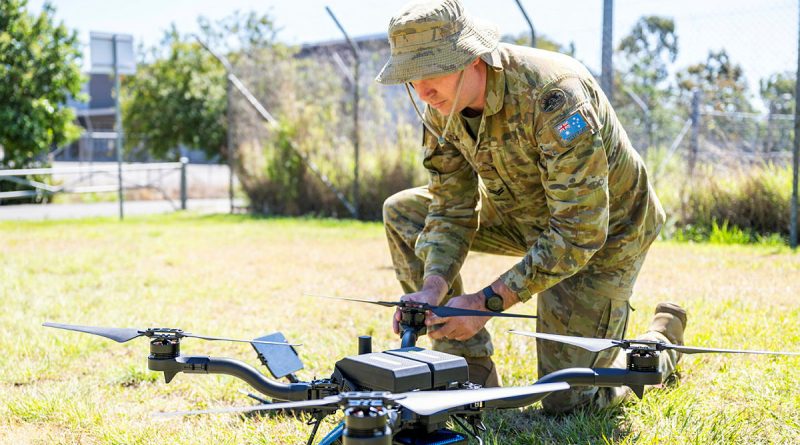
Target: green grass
x=239, y=276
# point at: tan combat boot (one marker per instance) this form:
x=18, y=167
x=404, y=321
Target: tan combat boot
x=483, y=371
x=669, y=321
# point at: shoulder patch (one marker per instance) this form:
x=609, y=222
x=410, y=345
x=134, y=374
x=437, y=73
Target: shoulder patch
x=552, y=101
x=571, y=127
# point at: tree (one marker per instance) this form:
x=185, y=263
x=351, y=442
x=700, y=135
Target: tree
x=178, y=96
x=777, y=92
x=176, y=100
x=650, y=48
x=648, y=51
x=720, y=80
x=723, y=89
x=39, y=71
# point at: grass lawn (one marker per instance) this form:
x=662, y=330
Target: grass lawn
x=242, y=277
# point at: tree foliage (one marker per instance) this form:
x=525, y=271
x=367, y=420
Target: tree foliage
x=777, y=92
x=720, y=80
x=176, y=100
x=39, y=71
x=648, y=51
x=178, y=95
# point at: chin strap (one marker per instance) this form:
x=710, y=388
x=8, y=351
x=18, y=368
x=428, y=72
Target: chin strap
x=439, y=138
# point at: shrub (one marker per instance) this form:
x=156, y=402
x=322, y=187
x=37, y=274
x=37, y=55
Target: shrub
x=751, y=205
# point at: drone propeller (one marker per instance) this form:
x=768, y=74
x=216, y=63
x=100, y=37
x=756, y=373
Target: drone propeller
x=601, y=344
x=424, y=403
x=121, y=335
x=440, y=311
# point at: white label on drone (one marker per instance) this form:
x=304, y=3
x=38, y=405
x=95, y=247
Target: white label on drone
x=431, y=356
x=391, y=362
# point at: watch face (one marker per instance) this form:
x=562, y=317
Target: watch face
x=494, y=303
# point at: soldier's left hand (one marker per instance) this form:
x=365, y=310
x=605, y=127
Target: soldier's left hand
x=458, y=328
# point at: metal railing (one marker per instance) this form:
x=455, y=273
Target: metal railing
x=87, y=174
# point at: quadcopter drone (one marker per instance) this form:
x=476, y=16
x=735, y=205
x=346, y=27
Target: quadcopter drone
x=403, y=396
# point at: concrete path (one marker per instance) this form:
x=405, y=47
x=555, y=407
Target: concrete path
x=41, y=212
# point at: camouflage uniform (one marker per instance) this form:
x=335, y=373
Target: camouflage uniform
x=551, y=177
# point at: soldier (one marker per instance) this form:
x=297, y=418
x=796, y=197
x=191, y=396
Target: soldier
x=526, y=157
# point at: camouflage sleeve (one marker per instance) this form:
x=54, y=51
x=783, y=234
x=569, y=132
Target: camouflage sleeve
x=574, y=171
x=452, y=215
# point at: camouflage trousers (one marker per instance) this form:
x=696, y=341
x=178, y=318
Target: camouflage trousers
x=591, y=303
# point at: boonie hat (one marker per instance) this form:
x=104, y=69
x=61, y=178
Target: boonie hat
x=434, y=38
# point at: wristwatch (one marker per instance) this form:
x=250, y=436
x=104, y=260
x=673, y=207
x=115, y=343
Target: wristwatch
x=494, y=302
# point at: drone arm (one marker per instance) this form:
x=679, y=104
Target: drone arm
x=608, y=377
x=587, y=376
x=195, y=364
x=243, y=371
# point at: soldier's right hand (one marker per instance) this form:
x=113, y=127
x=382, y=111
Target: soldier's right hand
x=433, y=290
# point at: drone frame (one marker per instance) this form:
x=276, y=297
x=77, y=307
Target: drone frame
x=378, y=417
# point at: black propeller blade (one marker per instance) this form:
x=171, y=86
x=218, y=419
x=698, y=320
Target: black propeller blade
x=600, y=344
x=440, y=311
x=424, y=403
x=121, y=335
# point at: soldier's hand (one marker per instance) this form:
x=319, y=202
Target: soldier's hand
x=424, y=296
x=459, y=328
x=433, y=290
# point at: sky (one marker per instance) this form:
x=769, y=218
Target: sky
x=761, y=35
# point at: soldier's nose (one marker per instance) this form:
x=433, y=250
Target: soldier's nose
x=425, y=93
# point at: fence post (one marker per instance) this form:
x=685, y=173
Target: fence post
x=231, y=150
x=184, y=163
x=795, y=151
x=694, y=143
x=607, y=70
x=118, y=127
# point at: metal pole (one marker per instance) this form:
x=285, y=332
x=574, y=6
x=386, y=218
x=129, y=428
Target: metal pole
x=607, y=70
x=230, y=139
x=530, y=24
x=695, y=141
x=796, y=151
x=118, y=125
x=184, y=189
x=357, y=68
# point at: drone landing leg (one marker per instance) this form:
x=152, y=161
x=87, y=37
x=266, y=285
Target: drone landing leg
x=314, y=430
x=474, y=429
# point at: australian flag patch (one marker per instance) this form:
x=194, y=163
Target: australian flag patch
x=571, y=127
